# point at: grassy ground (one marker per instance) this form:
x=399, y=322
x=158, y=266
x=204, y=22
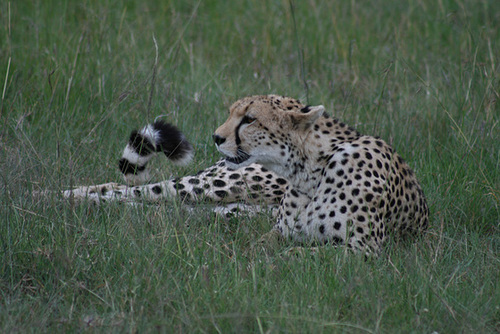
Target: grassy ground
x=75, y=80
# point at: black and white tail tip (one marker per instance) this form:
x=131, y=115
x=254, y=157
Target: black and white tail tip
x=144, y=144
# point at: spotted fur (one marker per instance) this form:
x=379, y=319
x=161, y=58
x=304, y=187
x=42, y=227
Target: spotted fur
x=333, y=185
x=344, y=187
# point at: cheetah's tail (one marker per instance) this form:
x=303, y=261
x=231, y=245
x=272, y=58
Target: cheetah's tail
x=144, y=144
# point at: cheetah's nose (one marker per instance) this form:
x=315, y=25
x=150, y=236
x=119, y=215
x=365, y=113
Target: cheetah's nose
x=218, y=139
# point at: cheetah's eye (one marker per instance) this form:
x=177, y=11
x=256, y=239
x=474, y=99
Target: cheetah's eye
x=247, y=119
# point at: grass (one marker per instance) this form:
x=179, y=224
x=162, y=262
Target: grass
x=76, y=79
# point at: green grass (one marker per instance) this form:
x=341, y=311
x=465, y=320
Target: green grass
x=75, y=80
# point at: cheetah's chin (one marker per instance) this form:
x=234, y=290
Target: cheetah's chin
x=238, y=160
x=241, y=157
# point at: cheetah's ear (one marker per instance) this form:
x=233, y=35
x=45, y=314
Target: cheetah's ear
x=306, y=117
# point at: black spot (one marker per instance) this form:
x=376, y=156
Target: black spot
x=368, y=197
x=234, y=176
x=337, y=225
x=281, y=181
x=194, y=181
x=343, y=209
x=322, y=229
x=322, y=216
x=156, y=189
x=368, y=155
x=256, y=187
x=257, y=178
x=221, y=193
x=197, y=190
x=219, y=183
x=355, y=192
x=178, y=186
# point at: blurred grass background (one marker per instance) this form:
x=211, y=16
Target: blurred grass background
x=76, y=79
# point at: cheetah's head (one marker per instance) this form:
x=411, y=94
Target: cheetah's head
x=265, y=129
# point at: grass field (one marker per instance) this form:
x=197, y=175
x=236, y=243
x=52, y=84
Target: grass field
x=76, y=78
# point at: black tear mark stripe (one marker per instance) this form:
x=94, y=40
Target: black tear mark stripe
x=237, y=134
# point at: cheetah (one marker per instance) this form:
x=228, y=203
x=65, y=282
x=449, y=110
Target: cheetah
x=331, y=184
x=251, y=189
